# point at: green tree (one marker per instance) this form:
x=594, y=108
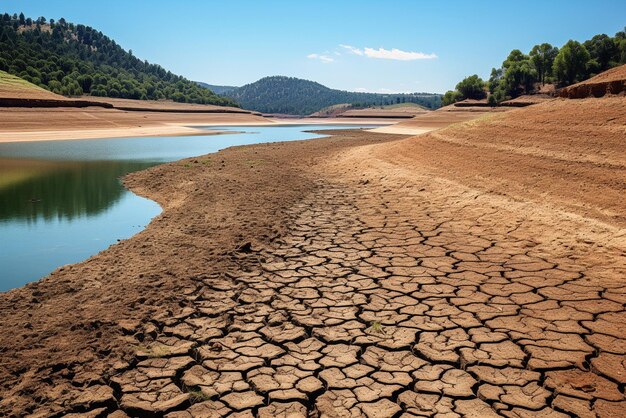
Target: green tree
x=570, y=64
x=494, y=79
x=472, y=87
x=604, y=52
x=55, y=86
x=514, y=56
x=85, y=81
x=519, y=77
x=620, y=41
x=451, y=97
x=542, y=57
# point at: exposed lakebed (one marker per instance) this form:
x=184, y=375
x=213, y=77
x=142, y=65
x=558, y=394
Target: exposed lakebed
x=62, y=201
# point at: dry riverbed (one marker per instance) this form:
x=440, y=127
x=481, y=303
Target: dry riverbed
x=329, y=277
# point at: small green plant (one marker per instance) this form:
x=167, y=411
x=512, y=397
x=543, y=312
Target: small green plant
x=197, y=395
x=377, y=328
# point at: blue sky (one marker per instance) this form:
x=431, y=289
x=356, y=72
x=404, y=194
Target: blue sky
x=399, y=46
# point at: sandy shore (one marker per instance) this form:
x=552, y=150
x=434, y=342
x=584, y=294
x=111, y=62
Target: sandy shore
x=56, y=135
x=430, y=121
x=362, y=274
x=65, y=123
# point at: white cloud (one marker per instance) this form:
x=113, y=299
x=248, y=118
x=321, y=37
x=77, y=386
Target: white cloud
x=352, y=49
x=397, y=54
x=389, y=54
x=324, y=58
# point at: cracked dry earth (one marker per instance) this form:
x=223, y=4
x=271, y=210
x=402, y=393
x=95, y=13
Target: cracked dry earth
x=391, y=293
x=380, y=304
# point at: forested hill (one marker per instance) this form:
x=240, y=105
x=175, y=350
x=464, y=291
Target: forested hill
x=216, y=89
x=294, y=96
x=74, y=59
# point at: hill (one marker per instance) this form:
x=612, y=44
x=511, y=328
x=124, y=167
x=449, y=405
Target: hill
x=612, y=81
x=18, y=88
x=72, y=60
x=294, y=96
x=402, y=110
x=332, y=110
x=216, y=89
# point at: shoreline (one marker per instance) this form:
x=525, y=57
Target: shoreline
x=86, y=134
x=168, y=129
x=25, y=125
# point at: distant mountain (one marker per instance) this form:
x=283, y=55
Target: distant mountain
x=295, y=96
x=73, y=59
x=216, y=89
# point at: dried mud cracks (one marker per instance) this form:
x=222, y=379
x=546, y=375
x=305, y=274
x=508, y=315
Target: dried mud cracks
x=383, y=310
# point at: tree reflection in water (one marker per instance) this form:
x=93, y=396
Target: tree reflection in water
x=31, y=190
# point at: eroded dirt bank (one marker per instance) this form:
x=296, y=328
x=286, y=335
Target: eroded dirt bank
x=382, y=279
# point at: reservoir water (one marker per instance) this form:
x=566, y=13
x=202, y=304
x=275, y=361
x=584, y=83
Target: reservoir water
x=62, y=201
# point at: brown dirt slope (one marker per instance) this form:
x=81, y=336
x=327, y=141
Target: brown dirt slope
x=610, y=82
x=400, y=110
x=395, y=111
x=472, y=103
x=16, y=92
x=573, y=153
x=15, y=87
x=438, y=119
x=164, y=106
x=527, y=100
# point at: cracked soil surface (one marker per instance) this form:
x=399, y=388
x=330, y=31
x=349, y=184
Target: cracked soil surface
x=453, y=275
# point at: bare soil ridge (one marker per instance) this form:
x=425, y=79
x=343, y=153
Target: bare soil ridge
x=357, y=275
x=610, y=82
x=440, y=118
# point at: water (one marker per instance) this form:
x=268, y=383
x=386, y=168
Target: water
x=62, y=201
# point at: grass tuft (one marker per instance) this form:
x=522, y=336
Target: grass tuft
x=377, y=328
x=197, y=395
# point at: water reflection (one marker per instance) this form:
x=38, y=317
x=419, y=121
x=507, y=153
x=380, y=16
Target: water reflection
x=33, y=189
